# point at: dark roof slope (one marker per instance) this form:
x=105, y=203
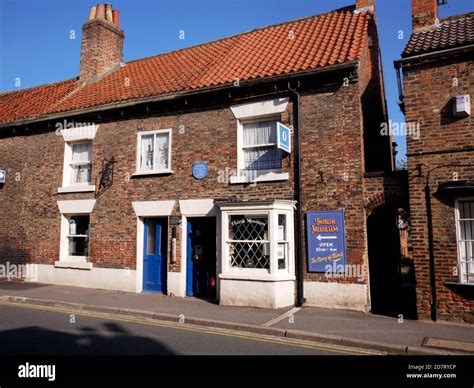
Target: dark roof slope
x=451, y=33
x=286, y=48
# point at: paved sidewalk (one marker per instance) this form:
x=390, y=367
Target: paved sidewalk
x=355, y=327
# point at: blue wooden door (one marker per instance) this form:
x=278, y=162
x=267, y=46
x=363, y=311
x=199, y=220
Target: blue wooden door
x=154, y=255
x=190, y=288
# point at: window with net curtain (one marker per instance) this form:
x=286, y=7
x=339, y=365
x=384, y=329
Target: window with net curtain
x=81, y=163
x=259, y=148
x=154, y=152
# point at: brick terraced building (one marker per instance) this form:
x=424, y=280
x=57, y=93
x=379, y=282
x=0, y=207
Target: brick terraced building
x=168, y=174
x=438, y=83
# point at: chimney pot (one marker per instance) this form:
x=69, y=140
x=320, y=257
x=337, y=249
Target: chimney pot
x=108, y=12
x=115, y=17
x=100, y=12
x=92, y=12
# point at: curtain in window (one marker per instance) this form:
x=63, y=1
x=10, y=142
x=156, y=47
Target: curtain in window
x=260, y=152
x=259, y=133
x=81, y=163
x=162, y=148
x=81, y=153
x=147, y=152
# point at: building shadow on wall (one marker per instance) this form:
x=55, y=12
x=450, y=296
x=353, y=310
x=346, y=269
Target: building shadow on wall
x=392, y=292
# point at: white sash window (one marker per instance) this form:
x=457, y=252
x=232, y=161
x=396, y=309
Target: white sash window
x=154, y=152
x=465, y=236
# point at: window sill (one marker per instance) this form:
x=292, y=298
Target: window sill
x=73, y=264
x=271, y=177
x=145, y=173
x=76, y=189
x=257, y=278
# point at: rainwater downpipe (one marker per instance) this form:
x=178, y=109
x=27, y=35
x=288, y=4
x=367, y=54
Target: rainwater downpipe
x=299, y=211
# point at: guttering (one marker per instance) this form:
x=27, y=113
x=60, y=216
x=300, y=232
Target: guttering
x=434, y=54
x=173, y=96
x=299, y=211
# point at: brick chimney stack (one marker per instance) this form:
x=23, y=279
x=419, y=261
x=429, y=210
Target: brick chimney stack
x=424, y=14
x=102, y=42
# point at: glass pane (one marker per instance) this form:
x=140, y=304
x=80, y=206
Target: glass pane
x=281, y=255
x=81, y=173
x=252, y=227
x=261, y=132
x=146, y=153
x=82, y=153
x=78, y=246
x=79, y=225
x=162, y=146
x=151, y=238
x=281, y=227
x=266, y=158
x=252, y=249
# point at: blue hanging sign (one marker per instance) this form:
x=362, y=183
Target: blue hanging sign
x=326, y=249
x=283, y=137
x=3, y=176
x=200, y=170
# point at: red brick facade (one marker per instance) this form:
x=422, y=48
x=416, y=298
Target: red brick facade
x=429, y=88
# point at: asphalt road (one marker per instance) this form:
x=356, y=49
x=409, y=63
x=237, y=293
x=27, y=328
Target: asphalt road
x=42, y=331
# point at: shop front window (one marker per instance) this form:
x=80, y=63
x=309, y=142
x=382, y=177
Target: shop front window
x=249, y=244
x=258, y=240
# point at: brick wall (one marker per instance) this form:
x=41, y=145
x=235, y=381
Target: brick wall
x=101, y=49
x=429, y=89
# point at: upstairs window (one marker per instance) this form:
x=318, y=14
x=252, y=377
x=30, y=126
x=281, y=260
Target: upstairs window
x=80, y=165
x=154, y=152
x=259, y=149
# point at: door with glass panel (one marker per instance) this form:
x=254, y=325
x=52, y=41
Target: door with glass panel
x=154, y=255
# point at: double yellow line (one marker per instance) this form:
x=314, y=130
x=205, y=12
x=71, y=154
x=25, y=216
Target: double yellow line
x=206, y=330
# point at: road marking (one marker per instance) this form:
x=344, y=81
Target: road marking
x=282, y=316
x=205, y=330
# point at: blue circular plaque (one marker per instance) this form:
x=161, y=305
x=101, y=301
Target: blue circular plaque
x=200, y=170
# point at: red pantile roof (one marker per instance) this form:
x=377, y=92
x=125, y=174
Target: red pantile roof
x=451, y=33
x=286, y=48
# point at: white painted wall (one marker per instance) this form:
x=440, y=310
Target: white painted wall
x=101, y=278
x=236, y=292
x=337, y=295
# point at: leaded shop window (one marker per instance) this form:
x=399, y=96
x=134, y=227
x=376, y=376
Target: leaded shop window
x=249, y=243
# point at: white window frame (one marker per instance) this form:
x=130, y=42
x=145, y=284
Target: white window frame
x=140, y=134
x=273, y=273
x=68, y=209
x=461, y=272
x=71, y=136
x=253, y=112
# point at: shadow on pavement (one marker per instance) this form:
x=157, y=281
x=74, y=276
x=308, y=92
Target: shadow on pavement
x=35, y=340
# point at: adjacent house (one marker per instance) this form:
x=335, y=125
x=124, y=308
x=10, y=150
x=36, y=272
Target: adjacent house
x=209, y=171
x=438, y=84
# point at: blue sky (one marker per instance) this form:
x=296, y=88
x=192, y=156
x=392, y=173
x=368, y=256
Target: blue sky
x=35, y=42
